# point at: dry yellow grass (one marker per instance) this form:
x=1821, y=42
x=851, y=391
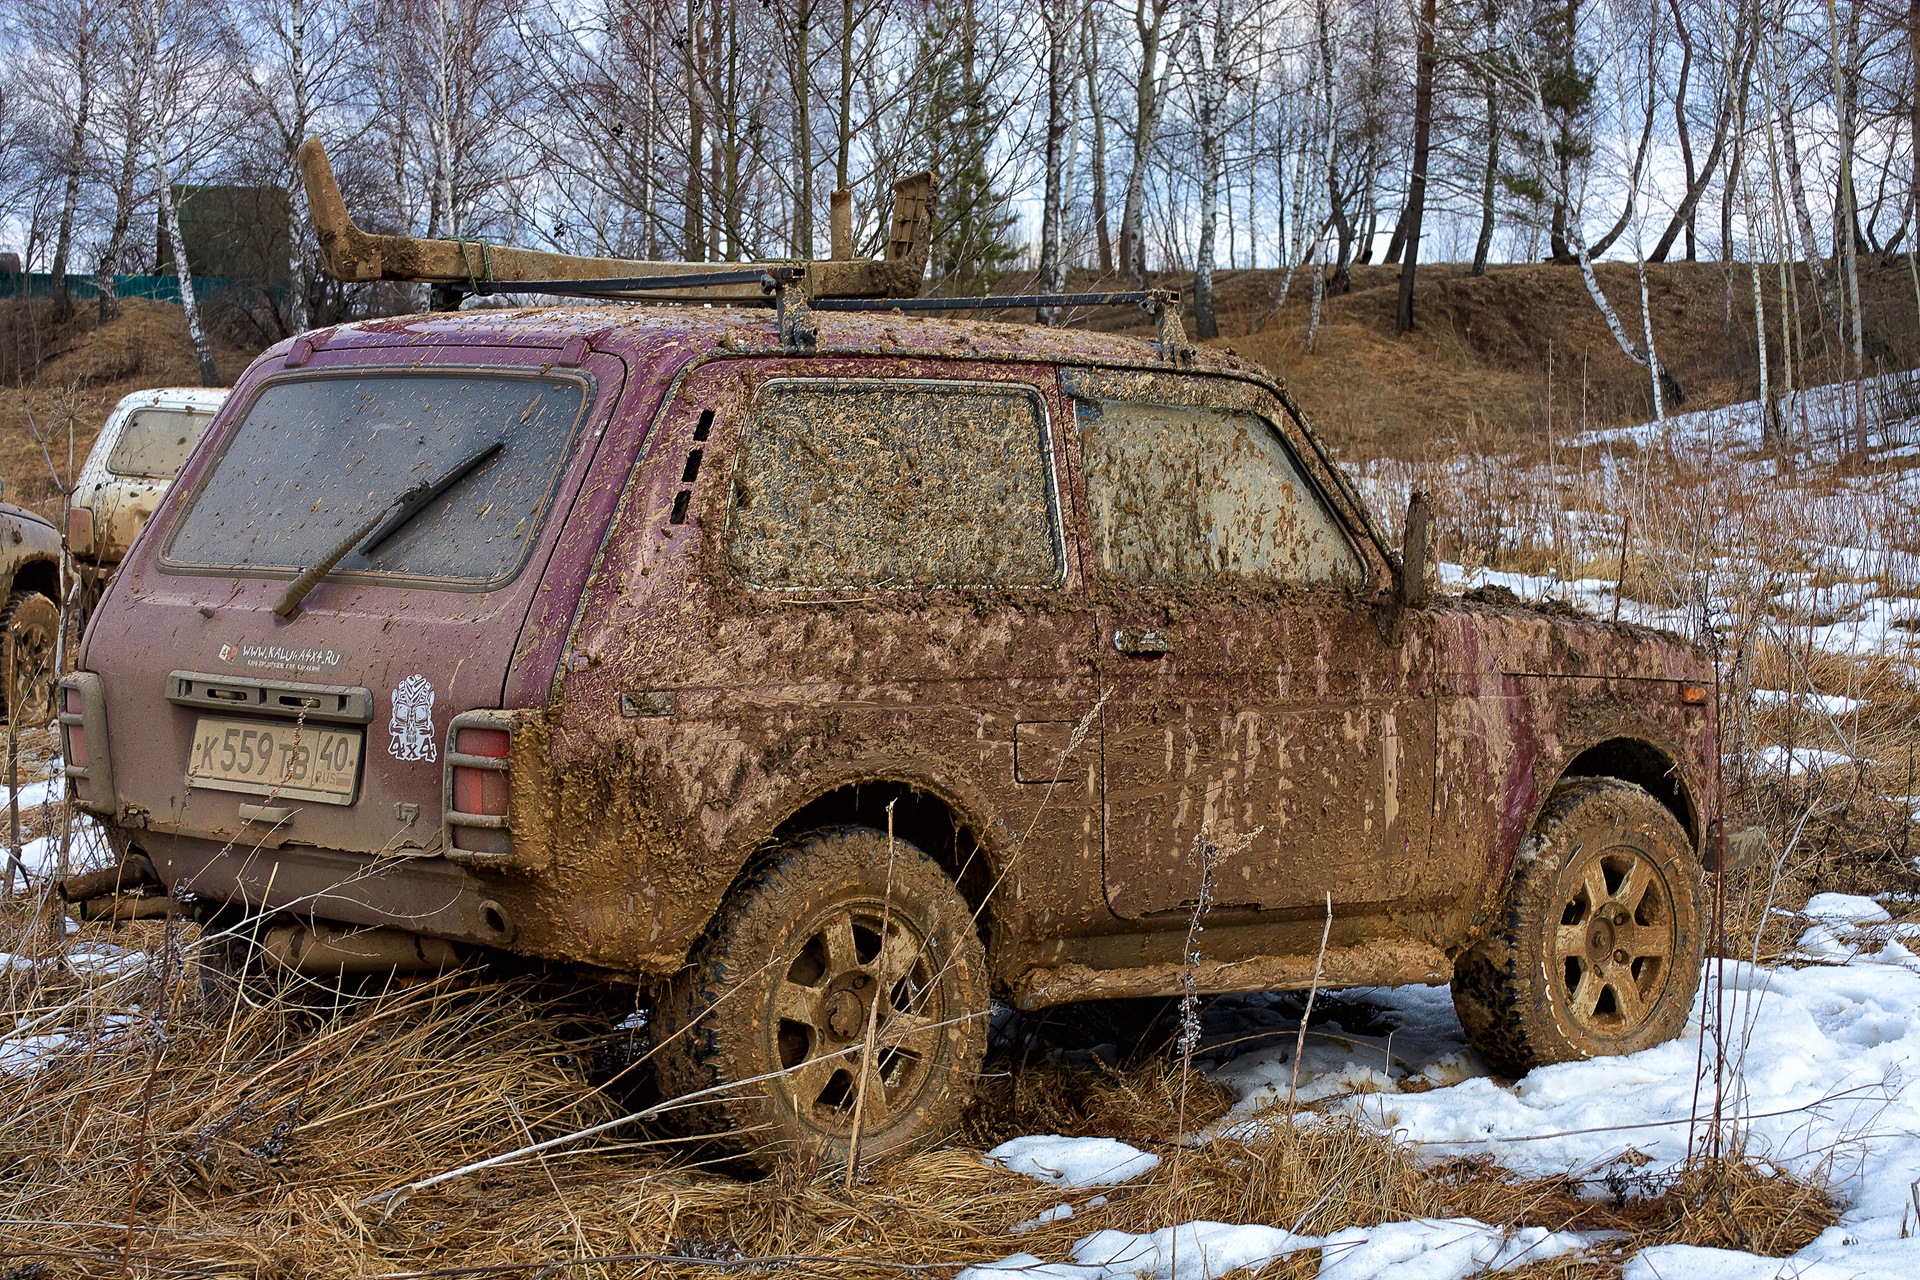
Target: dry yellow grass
x=190, y=1123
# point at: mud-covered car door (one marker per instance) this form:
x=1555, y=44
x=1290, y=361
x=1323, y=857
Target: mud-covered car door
x=835, y=571
x=1253, y=702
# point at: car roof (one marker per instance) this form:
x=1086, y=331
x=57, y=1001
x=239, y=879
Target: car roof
x=174, y=398
x=641, y=328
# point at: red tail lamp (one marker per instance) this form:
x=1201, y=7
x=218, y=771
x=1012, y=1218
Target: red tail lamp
x=481, y=791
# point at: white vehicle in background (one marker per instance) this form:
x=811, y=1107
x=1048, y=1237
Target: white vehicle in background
x=140, y=449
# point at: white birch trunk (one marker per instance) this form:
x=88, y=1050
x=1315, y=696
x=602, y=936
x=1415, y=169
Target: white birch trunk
x=1845, y=215
x=1052, y=272
x=300, y=75
x=1212, y=68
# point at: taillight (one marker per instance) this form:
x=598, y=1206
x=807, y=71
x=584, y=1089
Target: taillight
x=76, y=748
x=481, y=790
x=476, y=799
x=80, y=531
x=83, y=732
x=493, y=743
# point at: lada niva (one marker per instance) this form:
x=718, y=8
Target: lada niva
x=140, y=447
x=832, y=690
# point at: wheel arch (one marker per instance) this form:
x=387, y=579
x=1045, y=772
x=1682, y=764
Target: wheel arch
x=940, y=818
x=40, y=575
x=1648, y=766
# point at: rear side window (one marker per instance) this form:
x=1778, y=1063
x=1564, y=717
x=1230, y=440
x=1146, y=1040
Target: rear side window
x=1186, y=494
x=317, y=458
x=876, y=483
x=154, y=443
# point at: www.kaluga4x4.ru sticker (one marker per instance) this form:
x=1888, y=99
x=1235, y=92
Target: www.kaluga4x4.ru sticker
x=274, y=657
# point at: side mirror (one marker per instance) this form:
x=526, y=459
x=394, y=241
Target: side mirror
x=1410, y=577
x=1411, y=589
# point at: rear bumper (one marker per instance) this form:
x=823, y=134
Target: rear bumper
x=424, y=895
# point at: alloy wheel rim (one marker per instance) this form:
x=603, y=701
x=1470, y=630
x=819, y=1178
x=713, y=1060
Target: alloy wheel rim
x=822, y=1002
x=1614, y=943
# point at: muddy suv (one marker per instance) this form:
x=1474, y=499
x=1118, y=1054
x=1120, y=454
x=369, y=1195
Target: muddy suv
x=145, y=440
x=29, y=614
x=834, y=691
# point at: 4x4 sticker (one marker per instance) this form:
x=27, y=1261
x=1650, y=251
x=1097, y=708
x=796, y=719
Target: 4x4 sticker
x=412, y=723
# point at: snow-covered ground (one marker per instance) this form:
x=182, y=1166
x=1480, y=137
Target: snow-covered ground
x=41, y=787
x=1829, y=551
x=1822, y=1078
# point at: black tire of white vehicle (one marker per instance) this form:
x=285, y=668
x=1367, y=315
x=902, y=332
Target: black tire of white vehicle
x=1598, y=945
x=29, y=627
x=765, y=1031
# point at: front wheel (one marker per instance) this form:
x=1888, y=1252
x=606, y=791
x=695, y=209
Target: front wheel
x=817, y=956
x=1598, y=947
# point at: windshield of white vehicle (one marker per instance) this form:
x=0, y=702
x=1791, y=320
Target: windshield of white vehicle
x=316, y=458
x=155, y=442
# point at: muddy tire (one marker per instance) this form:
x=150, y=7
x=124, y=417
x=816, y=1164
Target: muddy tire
x=29, y=626
x=1598, y=945
x=775, y=1002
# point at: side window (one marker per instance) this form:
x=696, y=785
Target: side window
x=876, y=483
x=1182, y=495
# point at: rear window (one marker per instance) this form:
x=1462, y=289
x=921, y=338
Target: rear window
x=316, y=459
x=155, y=442
x=871, y=483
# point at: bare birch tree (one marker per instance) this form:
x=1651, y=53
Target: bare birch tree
x=1057, y=17
x=179, y=42
x=1213, y=33
x=1149, y=97
x=67, y=38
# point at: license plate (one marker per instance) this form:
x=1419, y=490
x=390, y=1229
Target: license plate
x=297, y=761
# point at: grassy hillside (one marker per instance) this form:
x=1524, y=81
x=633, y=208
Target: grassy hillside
x=1489, y=357
x=1487, y=350
x=64, y=379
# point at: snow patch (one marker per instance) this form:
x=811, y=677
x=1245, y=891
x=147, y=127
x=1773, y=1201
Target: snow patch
x=1073, y=1162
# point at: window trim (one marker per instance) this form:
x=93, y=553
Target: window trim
x=589, y=406
x=1048, y=452
x=1362, y=579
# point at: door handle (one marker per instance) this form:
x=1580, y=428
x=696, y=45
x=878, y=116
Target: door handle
x=1146, y=641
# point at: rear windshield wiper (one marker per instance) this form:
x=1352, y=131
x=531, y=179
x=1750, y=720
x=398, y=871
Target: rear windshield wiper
x=384, y=524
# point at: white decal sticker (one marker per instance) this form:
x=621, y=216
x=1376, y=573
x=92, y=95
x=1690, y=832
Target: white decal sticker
x=274, y=657
x=412, y=724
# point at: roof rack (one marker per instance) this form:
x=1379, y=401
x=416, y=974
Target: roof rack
x=459, y=266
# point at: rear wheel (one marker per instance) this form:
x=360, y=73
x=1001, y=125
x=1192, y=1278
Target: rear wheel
x=1599, y=943
x=29, y=626
x=771, y=1020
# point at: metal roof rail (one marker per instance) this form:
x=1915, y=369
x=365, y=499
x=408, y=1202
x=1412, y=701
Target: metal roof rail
x=776, y=289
